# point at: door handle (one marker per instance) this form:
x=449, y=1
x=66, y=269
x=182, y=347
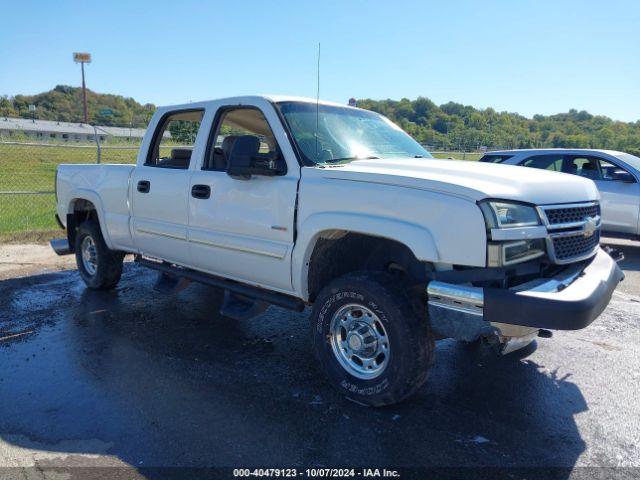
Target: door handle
x=144, y=186
x=201, y=191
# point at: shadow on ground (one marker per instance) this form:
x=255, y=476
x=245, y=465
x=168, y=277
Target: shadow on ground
x=631, y=251
x=165, y=381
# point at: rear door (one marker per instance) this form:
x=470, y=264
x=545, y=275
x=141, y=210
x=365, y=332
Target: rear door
x=160, y=187
x=244, y=228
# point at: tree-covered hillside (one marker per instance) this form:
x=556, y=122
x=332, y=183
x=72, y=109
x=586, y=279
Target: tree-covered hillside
x=451, y=126
x=454, y=126
x=64, y=103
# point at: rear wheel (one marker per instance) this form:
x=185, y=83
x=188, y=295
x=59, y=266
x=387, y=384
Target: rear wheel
x=372, y=343
x=99, y=267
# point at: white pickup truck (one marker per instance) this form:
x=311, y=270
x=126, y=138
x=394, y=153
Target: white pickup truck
x=293, y=202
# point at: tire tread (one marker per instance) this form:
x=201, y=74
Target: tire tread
x=413, y=321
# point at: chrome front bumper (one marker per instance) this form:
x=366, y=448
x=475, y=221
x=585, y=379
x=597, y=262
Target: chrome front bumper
x=569, y=301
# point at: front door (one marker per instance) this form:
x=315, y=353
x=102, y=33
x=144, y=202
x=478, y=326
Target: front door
x=619, y=201
x=243, y=228
x=160, y=189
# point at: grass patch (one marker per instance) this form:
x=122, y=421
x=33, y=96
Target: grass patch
x=27, y=212
x=31, y=168
x=458, y=155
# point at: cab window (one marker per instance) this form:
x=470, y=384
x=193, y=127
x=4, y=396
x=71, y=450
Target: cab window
x=174, y=139
x=232, y=123
x=608, y=169
x=545, y=162
x=495, y=158
x=588, y=167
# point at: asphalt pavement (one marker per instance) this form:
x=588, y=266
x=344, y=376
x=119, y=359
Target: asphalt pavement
x=136, y=379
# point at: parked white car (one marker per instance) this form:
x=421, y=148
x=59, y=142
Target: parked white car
x=616, y=174
x=285, y=201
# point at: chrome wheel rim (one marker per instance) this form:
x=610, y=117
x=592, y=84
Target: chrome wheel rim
x=359, y=341
x=89, y=255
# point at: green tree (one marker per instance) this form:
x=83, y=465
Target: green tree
x=453, y=125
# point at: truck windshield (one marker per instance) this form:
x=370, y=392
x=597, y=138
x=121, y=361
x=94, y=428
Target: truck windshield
x=346, y=134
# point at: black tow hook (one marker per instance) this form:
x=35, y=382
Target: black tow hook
x=614, y=253
x=542, y=333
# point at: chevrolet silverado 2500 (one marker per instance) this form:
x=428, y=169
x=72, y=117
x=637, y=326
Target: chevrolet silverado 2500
x=293, y=202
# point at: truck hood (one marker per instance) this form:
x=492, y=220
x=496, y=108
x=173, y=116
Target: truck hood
x=472, y=180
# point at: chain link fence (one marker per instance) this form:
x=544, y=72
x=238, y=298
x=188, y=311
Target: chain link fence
x=27, y=176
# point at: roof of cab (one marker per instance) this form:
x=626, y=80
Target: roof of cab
x=552, y=150
x=239, y=100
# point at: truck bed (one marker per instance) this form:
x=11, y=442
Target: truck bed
x=107, y=187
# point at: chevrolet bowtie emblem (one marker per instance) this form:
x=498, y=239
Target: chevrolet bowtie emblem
x=590, y=226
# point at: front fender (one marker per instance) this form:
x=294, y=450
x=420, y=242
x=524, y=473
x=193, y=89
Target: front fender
x=417, y=238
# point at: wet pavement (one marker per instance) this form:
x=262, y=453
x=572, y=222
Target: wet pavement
x=136, y=378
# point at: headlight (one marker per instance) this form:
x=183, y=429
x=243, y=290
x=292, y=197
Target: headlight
x=508, y=215
x=502, y=254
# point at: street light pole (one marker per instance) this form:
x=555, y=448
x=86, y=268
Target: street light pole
x=83, y=58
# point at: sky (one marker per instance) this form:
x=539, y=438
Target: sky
x=515, y=55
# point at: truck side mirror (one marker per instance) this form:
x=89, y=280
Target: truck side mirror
x=620, y=175
x=245, y=160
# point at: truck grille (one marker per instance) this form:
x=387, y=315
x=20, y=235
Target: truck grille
x=567, y=247
x=574, y=214
x=574, y=230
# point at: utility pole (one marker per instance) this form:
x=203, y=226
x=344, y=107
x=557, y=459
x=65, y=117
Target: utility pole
x=83, y=58
x=84, y=96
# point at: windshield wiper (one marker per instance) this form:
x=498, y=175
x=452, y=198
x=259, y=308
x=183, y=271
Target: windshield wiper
x=349, y=159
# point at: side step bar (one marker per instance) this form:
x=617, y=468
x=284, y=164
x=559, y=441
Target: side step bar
x=61, y=246
x=274, y=298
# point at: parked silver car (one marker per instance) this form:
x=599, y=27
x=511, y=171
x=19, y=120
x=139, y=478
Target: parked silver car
x=616, y=174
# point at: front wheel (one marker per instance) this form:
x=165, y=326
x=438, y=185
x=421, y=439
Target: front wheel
x=99, y=267
x=370, y=340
